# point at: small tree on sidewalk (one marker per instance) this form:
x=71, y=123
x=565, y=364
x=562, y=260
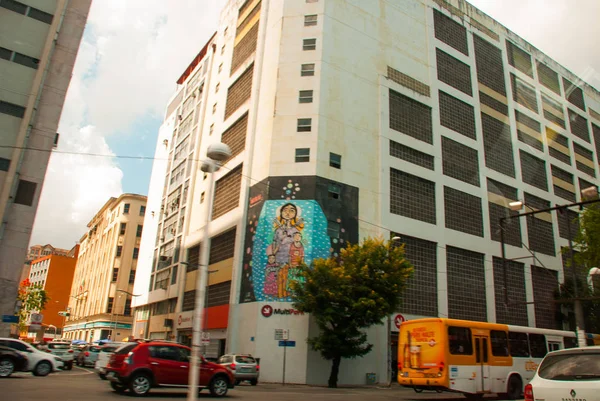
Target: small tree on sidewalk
x=350, y=294
x=33, y=299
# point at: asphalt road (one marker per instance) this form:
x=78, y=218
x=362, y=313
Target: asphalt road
x=84, y=385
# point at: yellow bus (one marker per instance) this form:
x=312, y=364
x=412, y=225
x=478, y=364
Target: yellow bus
x=473, y=358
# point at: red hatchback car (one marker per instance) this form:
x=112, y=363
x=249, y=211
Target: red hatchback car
x=144, y=365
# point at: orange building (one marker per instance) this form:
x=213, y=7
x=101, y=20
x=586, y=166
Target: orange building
x=55, y=274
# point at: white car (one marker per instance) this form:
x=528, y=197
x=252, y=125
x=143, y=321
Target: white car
x=103, y=356
x=567, y=374
x=39, y=363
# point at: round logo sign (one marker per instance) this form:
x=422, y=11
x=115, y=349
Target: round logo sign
x=398, y=320
x=266, y=310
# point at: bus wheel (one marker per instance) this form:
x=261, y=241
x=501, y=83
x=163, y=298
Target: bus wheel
x=514, y=388
x=418, y=390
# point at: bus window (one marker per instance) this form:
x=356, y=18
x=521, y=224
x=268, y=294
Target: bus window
x=570, y=342
x=499, y=343
x=460, y=340
x=537, y=344
x=518, y=344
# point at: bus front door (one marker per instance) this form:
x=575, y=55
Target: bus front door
x=483, y=378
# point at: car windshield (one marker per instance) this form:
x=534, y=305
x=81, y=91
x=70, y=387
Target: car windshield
x=58, y=346
x=125, y=349
x=244, y=359
x=579, y=366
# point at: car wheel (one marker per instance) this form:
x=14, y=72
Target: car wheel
x=253, y=382
x=7, y=367
x=102, y=376
x=69, y=365
x=514, y=388
x=140, y=384
x=119, y=388
x=43, y=368
x=218, y=386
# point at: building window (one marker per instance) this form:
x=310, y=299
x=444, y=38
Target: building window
x=335, y=160
x=211, y=129
x=123, y=228
x=333, y=191
x=225, y=31
x=136, y=253
x=4, y=164
x=174, y=275
x=25, y=193
x=214, y=108
x=304, y=125
x=217, y=87
x=139, y=230
x=12, y=109
x=109, y=307
x=307, y=70
x=126, y=208
x=202, y=197
x=223, y=50
x=333, y=229
x=115, y=275
x=131, y=276
x=302, y=155
x=119, y=250
x=309, y=44
x=127, y=309
x=26, y=10
x=19, y=58
x=305, y=96
x=142, y=210
x=220, y=67
x=310, y=20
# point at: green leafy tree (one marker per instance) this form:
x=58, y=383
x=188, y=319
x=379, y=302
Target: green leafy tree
x=350, y=294
x=33, y=299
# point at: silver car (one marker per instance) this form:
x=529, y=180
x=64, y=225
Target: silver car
x=88, y=356
x=103, y=356
x=243, y=366
x=62, y=350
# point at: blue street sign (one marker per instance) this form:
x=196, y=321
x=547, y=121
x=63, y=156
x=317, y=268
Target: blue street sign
x=287, y=343
x=10, y=319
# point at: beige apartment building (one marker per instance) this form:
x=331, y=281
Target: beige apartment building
x=39, y=40
x=101, y=294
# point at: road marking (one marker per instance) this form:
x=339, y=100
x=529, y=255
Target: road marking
x=87, y=372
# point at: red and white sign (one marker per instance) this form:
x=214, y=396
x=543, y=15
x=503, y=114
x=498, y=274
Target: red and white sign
x=184, y=320
x=398, y=319
x=266, y=310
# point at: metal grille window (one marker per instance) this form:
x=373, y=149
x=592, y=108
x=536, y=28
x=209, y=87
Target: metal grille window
x=302, y=155
x=579, y=126
x=493, y=103
x=558, y=146
x=304, y=125
x=489, y=64
x=499, y=196
x=450, y=32
x=566, y=217
x=305, y=96
x=218, y=294
x=420, y=295
x=408, y=81
x=523, y=93
x=245, y=48
x=460, y=161
x=239, y=92
x=222, y=247
x=533, y=170
x=227, y=192
x=519, y=59
x=539, y=227
x=335, y=160
x=595, y=133
x=412, y=196
x=411, y=155
x=548, y=77
x=562, y=182
x=309, y=44
x=553, y=111
x=584, y=159
x=193, y=258
x=307, y=70
x=466, y=284
x=457, y=115
x=516, y=312
x=189, y=298
x=529, y=131
x=498, y=145
x=310, y=20
x=410, y=117
x=574, y=94
x=463, y=212
x=454, y=72
x=235, y=136
x=545, y=284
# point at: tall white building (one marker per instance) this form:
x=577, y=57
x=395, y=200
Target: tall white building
x=416, y=118
x=39, y=40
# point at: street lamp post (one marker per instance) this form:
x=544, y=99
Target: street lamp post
x=116, y=315
x=216, y=154
x=594, y=271
x=587, y=193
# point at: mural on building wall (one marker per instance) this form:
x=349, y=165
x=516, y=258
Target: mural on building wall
x=287, y=225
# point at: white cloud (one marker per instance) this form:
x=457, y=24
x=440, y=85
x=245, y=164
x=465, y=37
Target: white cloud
x=127, y=65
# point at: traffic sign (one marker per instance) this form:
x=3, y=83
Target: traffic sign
x=287, y=343
x=10, y=319
x=205, y=338
x=282, y=334
x=398, y=320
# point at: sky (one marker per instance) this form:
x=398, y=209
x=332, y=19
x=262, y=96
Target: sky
x=131, y=55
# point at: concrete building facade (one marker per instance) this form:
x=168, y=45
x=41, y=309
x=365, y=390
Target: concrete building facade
x=38, y=48
x=101, y=294
x=421, y=119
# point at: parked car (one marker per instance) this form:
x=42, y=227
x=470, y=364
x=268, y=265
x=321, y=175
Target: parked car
x=62, y=350
x=142, y=366
x=243, y=366
x=566, y=374
x=105, y=352
x=39, y=363
x=11, y=361
x=88, y=355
